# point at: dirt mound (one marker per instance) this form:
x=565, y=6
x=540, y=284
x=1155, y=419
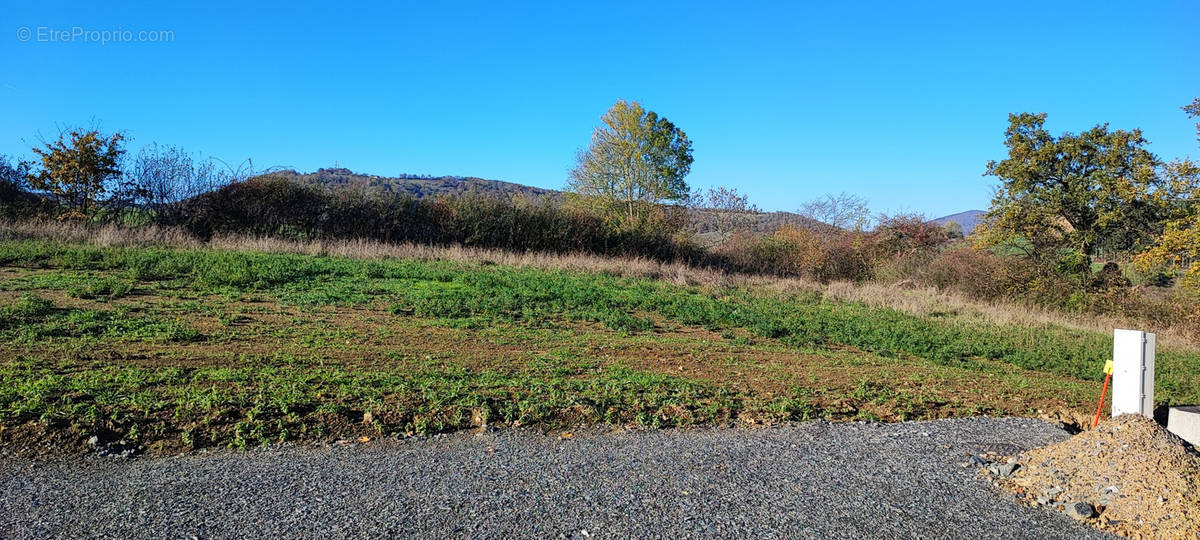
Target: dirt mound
x=1140, y=478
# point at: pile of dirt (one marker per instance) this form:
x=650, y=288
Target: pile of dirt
x=1140, y=479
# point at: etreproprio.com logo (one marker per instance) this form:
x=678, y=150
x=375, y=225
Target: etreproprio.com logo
x=79, y=34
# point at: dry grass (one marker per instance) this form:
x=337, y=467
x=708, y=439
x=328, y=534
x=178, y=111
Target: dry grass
x=924, y=300
x=98, y=235
x=918, y=300
x=363, y=249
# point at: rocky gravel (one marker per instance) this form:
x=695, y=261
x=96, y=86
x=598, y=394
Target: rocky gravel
x=802, y=480
x=1128, y=476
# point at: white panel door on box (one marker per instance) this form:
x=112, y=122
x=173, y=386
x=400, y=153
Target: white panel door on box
x=1133, y=373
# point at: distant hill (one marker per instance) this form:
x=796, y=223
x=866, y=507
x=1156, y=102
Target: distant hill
x=420, y=186
x=757, y=222
x=967, y=219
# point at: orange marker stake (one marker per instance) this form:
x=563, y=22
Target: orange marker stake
x=1108, y=369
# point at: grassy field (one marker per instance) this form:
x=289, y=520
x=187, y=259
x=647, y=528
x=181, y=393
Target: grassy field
x=185, y=348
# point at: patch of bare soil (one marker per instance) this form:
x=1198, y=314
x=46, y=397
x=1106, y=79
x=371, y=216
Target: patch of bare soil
x=890, y=390
x=1140, y=479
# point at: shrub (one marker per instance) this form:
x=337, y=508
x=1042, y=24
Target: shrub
x=16, y=201
x=278, y=206
x=821, y=254
x=979, y=274
x=904, y=234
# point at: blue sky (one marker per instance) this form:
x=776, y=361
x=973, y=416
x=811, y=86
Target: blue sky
x=901, y=104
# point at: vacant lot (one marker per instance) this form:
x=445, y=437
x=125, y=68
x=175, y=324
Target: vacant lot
x=184, y=348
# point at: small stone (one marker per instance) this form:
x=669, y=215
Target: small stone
x=93, y=440
x=1080, y=511
x=977, y=461
x=1007, y=469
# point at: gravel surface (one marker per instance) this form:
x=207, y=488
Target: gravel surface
x=802, y=480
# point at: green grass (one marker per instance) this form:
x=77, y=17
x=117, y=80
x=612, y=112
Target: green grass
x=270, y=397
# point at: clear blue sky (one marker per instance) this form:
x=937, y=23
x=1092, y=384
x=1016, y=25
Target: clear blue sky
x=902, y=103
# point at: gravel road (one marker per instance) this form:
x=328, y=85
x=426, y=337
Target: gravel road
x=803, y=480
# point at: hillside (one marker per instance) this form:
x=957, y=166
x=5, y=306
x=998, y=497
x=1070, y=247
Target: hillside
x=967, y=219
x=420, y=186
x=423, y=186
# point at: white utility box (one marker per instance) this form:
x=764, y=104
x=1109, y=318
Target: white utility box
x=1185, y=422
x=1133, y=373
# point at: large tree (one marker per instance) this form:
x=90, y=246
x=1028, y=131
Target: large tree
x=1193, y=111
x=79, y=168
x=1080, y=193
x=1178, y=246
x=636, y=161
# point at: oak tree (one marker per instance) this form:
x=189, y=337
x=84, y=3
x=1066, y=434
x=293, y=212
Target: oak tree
x=1069, y=196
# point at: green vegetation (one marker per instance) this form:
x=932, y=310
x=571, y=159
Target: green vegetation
x=1080, y=194
x=186, y=348
x=78, y=169
x=1178, y=247
x=34, y=319
x=635, y=161
x=282, y=398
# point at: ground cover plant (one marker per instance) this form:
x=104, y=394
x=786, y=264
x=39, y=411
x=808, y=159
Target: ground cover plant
x=176, y=348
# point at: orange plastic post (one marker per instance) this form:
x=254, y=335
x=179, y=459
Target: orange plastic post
x=1100, y=406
